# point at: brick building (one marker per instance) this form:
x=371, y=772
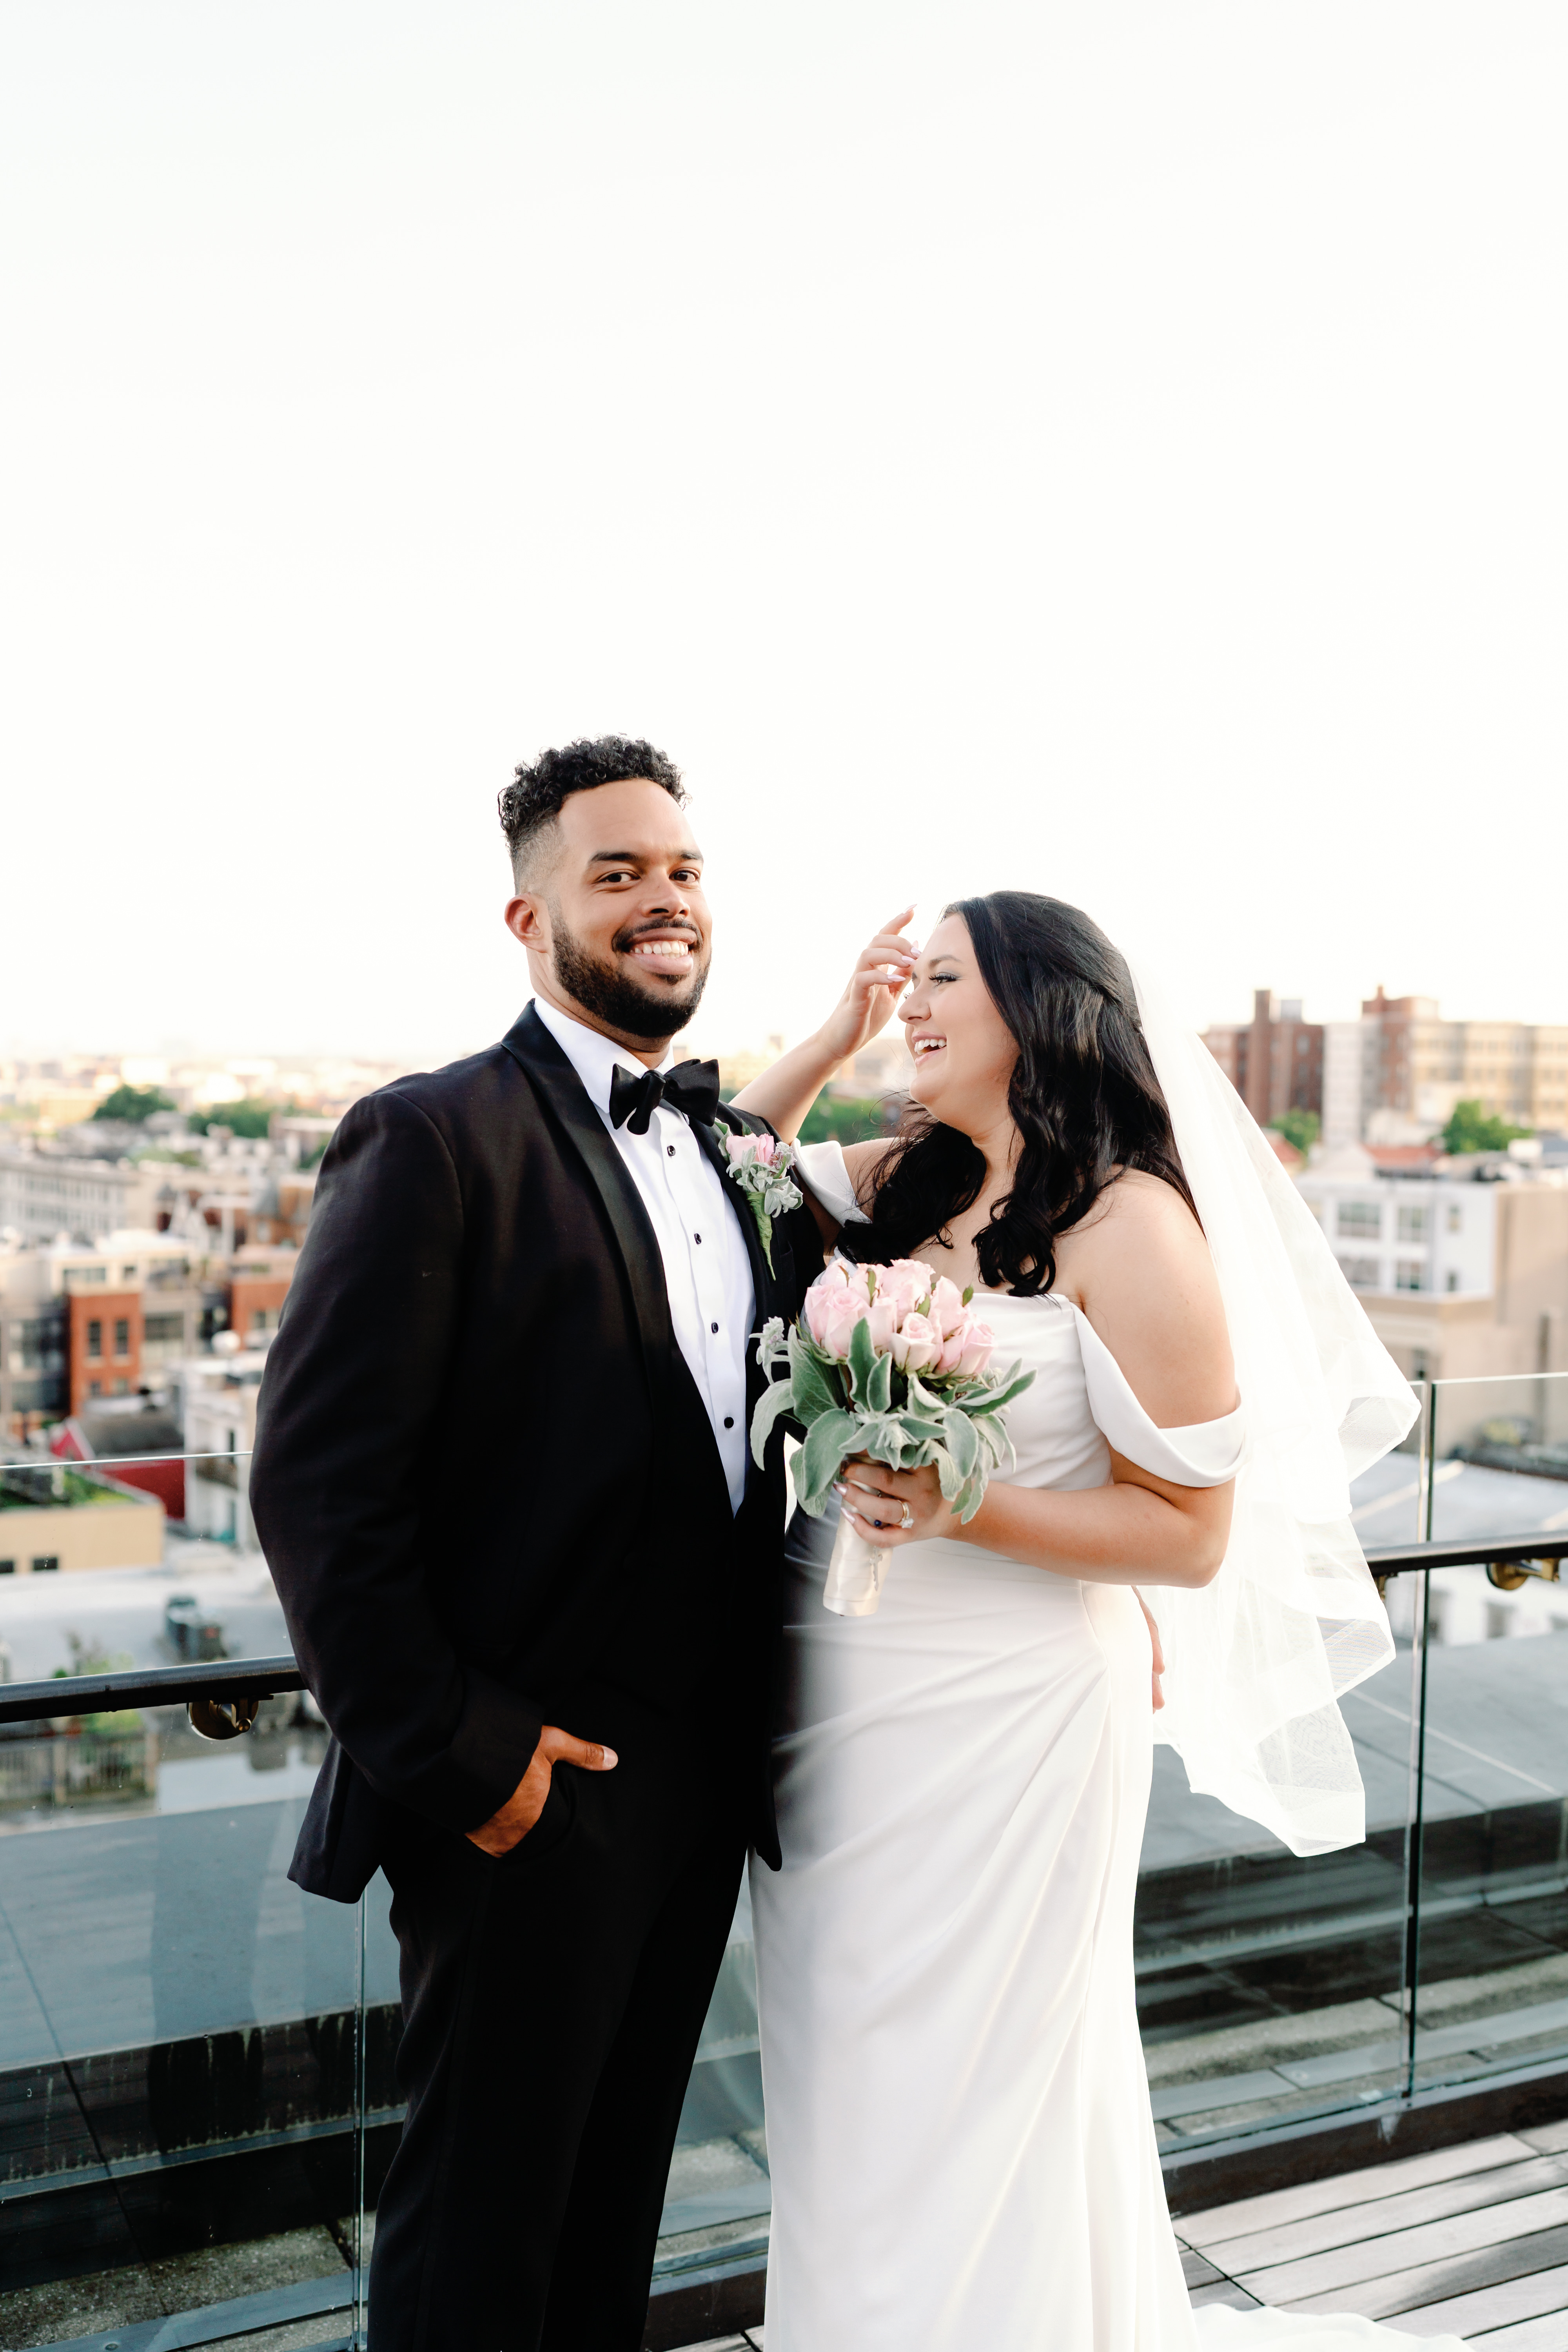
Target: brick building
x=1276, y=1061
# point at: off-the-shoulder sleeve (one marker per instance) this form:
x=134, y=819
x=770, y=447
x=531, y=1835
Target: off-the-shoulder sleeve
x=823, y=1167
x=1206, y=1453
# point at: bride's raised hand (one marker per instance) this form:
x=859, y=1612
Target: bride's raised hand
x=879, y=978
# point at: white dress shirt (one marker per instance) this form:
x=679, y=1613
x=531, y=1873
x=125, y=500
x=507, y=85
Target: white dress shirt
x=696, y=1218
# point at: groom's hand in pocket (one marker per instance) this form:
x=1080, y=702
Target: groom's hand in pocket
x=511, y=1824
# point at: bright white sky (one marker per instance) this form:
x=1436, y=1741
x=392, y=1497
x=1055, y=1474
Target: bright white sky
x=1113, y=450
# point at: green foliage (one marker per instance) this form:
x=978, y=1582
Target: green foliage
x=92, y=1658
x=250, y=1117
x=834, y=1119
x=1470, y=1129
x=1300, y=1127
x=133, y=1103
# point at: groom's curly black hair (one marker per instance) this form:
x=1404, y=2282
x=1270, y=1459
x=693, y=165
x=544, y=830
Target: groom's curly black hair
x=536, y=795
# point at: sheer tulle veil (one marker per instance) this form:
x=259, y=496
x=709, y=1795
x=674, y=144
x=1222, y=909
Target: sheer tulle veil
x=1258, y=1659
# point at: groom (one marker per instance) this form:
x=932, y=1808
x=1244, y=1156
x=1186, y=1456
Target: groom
x=532, y=1577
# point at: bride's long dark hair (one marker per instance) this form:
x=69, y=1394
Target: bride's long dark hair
x=1083, y=1096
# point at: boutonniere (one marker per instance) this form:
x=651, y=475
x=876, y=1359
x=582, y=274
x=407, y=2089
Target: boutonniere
x=759, y=1167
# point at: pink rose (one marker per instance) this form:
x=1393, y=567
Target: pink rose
x=906, y=1282
x=829, y=1283
x=947, y=1307
x=883, y=1322
x=979, y=1342
x=917, y=1344
x=843, y=1311
x=951, y=1353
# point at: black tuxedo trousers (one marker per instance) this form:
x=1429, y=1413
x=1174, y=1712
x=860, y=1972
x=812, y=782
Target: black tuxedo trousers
x=552, y=2002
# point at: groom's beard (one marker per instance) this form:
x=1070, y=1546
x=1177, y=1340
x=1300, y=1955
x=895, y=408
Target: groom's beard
x=652, y=1011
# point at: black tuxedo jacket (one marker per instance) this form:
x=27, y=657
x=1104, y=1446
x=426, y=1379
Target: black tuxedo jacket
x=483, y=1475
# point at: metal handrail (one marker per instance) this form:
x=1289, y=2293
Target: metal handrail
x=234, y=1678
x=1471, y=1551
x=222, y=1680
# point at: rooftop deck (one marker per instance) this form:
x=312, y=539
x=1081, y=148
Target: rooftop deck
x=1470, y=2241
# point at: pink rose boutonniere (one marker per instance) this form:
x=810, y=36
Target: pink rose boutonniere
x=759, y=1167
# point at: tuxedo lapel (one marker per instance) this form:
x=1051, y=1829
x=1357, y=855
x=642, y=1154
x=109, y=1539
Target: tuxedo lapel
x=530, y=1046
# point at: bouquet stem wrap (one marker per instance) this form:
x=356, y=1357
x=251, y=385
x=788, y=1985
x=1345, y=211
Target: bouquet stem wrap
x=854, y=1573
x=887, y=1362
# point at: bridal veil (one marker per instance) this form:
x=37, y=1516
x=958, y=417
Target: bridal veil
x=1258, y=1659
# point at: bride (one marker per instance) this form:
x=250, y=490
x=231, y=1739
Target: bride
x=958, y=2127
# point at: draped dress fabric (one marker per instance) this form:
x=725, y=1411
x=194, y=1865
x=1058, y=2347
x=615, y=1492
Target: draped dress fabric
x=959, y=2130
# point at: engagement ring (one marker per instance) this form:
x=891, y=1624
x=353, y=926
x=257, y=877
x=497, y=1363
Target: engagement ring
x=908, y=1518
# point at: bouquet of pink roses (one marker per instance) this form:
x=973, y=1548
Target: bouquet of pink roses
x=888, y=1361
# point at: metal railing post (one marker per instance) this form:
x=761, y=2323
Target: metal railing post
x=1416, y=1804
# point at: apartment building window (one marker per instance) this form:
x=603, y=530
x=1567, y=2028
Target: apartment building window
x=46, y=1563
x=1451, y=1279
x=1360, y=1273
x=95, y=1337
x=1360, y=1219
x=122, y=1330
x=1413, y=1223
x=7, y=1567
x=95, y=1388
x=1410, y=1274
x=1455, y=1217
x=1498, y=1615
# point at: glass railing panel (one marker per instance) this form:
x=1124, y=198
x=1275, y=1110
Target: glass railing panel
x=1270, y=1987
x=1493, y=1924
x=179, y=2032
x=719, y=2195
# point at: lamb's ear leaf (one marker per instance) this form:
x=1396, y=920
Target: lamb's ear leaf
x=830, y=1437
x=925, y=1399
x=969, y=1503
x=862, y=1360
x=815, y=1390
x=963, y=1444
x=1013, y=1385
x=879, y=1387
x=773, y=1401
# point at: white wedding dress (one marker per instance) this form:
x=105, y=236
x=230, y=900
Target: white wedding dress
x=959, y=2130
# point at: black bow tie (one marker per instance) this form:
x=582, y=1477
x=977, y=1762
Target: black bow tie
x=691, y=1088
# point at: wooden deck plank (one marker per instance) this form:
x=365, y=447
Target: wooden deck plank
x=1197, y=2269
x=1435, y=2201
x=1374, y=2257
x=1550, y=2139
x=1414, y=2289
x=1227, y=2291
x=1497, y=2307
x=1371, y=2183
x=1549, y=2335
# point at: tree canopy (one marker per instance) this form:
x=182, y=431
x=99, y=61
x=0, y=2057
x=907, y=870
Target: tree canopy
x=1299, y=1126
x=1471, y=1129
x=249, y=1117
x=838, y=1119
x=133, y=1103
